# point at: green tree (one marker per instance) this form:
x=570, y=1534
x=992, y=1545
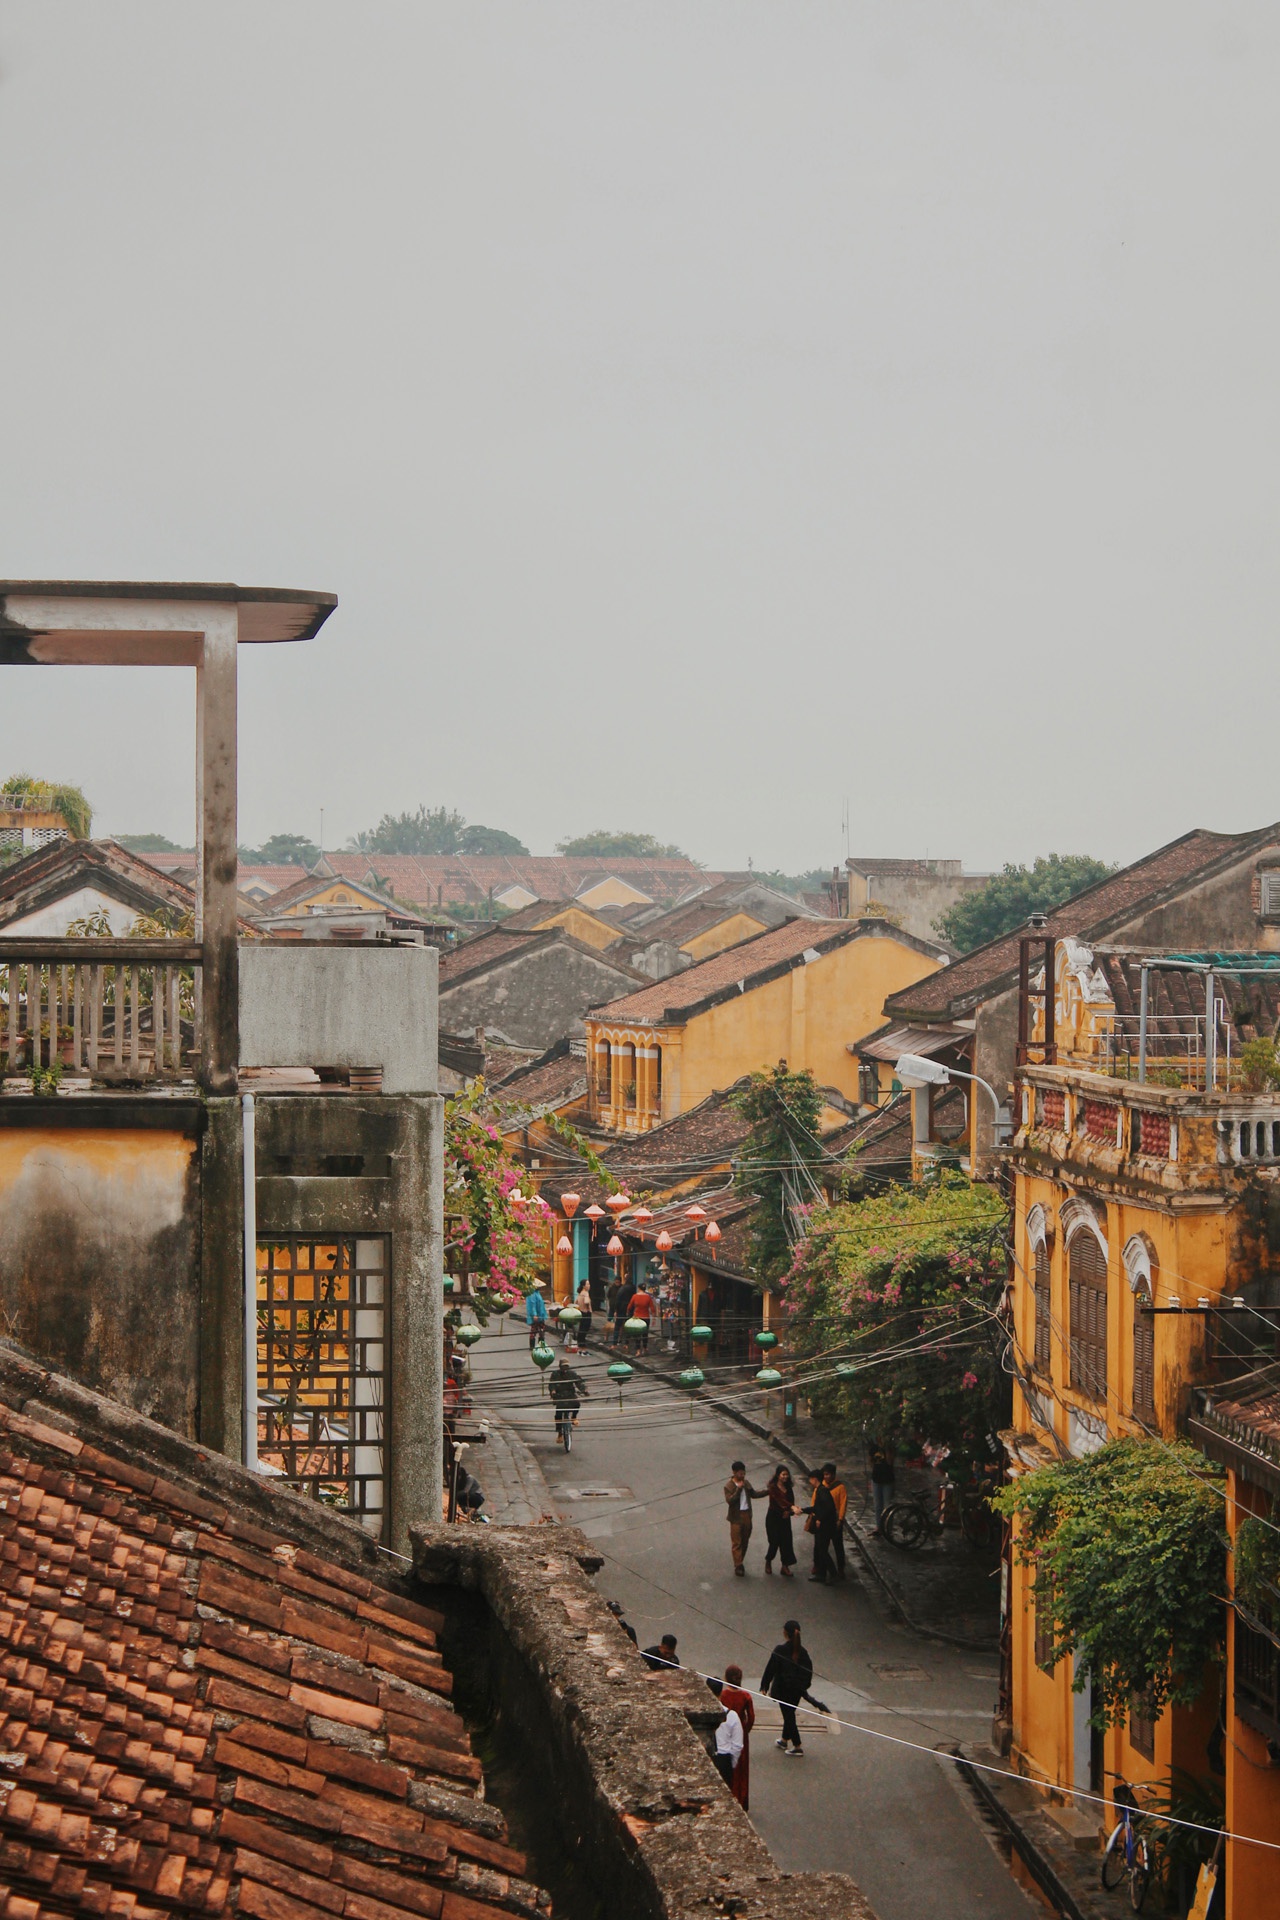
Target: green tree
x=150, y=843
x=1015, y=892
x=779, y=1162
x=904, y=1288
x=489, y=840
x=282, y=850
x=54, y=798
x=1129, y=1542
x=429, y=830
x=609, y=846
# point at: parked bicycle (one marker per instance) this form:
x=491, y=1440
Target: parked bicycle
x=1127, y=1851
x=910, y=1522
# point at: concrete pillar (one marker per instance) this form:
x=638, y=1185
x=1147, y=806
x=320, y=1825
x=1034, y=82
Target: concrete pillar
x=221, y=1279
x=415, y=1449
x=216, y=850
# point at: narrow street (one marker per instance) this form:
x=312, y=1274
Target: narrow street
x=644, y=1484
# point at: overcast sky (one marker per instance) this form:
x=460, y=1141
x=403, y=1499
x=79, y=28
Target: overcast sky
x=704, y=412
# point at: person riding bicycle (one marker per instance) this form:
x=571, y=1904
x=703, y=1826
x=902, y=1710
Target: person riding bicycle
x=567, y=1389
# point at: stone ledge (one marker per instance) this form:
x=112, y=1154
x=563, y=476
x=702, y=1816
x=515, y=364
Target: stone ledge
x=629, y=1779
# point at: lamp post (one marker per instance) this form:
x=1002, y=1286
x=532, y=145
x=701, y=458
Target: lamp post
x=915, y=1071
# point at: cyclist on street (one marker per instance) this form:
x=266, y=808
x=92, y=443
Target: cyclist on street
x=567, y=1389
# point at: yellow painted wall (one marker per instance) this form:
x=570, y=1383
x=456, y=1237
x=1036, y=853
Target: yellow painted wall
x=1191, y=1250
x=1253, y=1783
x=338, y=893
x=583, y=926
x=612, y=892
x=726, y=933
x=806, y=1017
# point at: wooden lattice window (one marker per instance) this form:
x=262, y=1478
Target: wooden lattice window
x=1144, y=1357
x=1043, y=1310
x=1042, y=1598
x=322, y=1368
x=1142, y=1726
x=1087, y=1270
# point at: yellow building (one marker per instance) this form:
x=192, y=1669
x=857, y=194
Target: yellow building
x=800, y=993
x=1142, y=1165
x=577, y=920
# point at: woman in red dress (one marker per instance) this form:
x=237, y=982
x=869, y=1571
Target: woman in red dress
x=734, y=1700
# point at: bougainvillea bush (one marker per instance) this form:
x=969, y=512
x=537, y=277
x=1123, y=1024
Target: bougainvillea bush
x=903, y=1289
x=494, y=1246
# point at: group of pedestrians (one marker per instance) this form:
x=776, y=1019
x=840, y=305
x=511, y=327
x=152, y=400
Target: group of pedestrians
x=787, y=1678
x=824, y=1520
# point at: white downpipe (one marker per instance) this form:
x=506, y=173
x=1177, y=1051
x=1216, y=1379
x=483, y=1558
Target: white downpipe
x=249, y=1445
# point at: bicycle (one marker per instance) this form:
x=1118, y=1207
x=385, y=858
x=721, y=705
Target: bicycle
x=565, y=1417
x=1127, y=1850
x=907, y=1523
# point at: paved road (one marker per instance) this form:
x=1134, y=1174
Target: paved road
x=643, y=1482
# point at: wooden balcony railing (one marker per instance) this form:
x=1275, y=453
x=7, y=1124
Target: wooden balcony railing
x=115, y=1009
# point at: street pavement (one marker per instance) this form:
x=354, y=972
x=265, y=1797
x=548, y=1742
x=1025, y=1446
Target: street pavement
x=643, y=1482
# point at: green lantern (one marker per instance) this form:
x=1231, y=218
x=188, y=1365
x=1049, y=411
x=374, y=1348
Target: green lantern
x=450, y=1284
x=845, y=1371
x=468, y=1336
x=621, y=1372
x=635, y=1327
x=570, y=1316
x=692, y=1378
x=542, y=1358
x=768, y=1377
x=700, y=1335
x=766, y=1339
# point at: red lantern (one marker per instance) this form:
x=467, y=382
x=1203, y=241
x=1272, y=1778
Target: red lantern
x=614, y=1247
x=712, y=1232
x=617, y=1202
x=663, y=1242
x=640, y=1215
x=570, y=1202
x=564, y=1244
x=695, y=1212
x=593, y=1213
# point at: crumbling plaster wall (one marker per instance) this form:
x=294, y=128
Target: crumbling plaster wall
x=100, y=1247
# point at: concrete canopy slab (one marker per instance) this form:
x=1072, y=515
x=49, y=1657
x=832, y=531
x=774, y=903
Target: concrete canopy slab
x=144, y=622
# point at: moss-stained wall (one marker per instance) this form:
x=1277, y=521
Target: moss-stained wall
x=100, y=1255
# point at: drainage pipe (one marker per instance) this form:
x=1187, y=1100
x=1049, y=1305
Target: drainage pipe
x=249, y=1391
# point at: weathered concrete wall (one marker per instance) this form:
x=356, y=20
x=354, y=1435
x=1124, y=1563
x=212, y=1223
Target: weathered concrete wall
x=536, y=997
x=100, y=1245
x=334, y=1006
x=629, y=1787
x=916, y=901
x=339, y=1164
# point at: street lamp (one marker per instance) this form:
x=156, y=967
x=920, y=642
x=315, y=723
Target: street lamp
x=914, y=1070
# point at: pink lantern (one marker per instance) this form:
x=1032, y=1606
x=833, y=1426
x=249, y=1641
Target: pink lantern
x=640, y=1215
x=594, y=1213
x=712, y=1232
x=663, y=1242
x=564, y=1244
x=570, y=1202
x=614, y=1247
x=617, y=1202
x=695, y=1212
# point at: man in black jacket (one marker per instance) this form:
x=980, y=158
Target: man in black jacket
x=787, y=1678
x=825, y=1523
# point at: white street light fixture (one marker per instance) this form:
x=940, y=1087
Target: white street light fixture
x=914, y=1070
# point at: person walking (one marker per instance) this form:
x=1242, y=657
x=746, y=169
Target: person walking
x=611, y=1309
x=535, y=1313
x=738, y=1495
x=735, y=1699
x=840, y=1498
x=822, y=1516
x=731, y=1743
x=622, y=1309
x=786, y=1679
x=777, y=1522
x=642, y=1307
x=883, y=1480
x=583, y=1304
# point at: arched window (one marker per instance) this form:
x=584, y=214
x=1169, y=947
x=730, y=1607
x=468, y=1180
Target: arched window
x=1140, y=1266
x=1042, y=1296
x=1087, y=1287
x=603, y=1084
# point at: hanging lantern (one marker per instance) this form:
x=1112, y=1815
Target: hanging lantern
x=569, y=1317
x=614, y=1247
x=692, y=1378
x=695, y=1212
x=450, y=1284
x=635, y=1326
x=468, y=1336
x=564, y=1244
x=617, y=1203
x=620, y=1372
x=570, y=1202
x=712, y=1232
x=663, y=1242
x=766, y=1339
x=640, y=1215
x=768, y=1377
x=700, y=1335
x=516, y=1197
x=844, y=1371
x=542, y=1358
x=593, y=1213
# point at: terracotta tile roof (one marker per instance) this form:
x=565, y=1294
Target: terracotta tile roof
x=451, y=880
x=64, y=865
x=486, y=950
x=542, y=1085
x=747, y=964
x=685, y=923
x=1097, y=911
x=885, y=1139
x=1174, y=1000
x=202, y=1716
